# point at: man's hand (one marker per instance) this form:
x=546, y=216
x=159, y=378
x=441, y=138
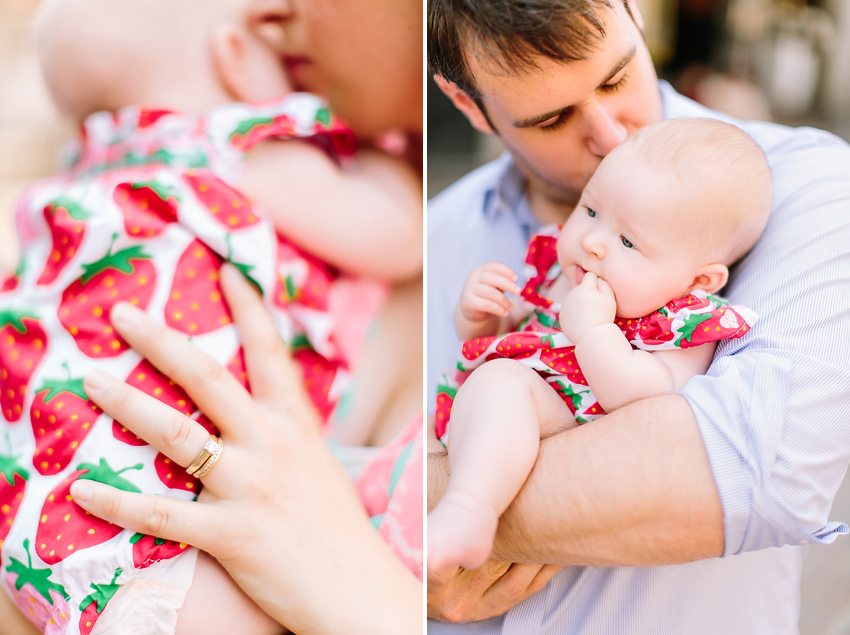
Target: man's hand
x=590, y=304
x=486, y=592
x=471, y=596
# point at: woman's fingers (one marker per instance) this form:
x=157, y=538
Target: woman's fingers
x=211, y=386
x=271, y=373
x=181, y=439
x=159, y=516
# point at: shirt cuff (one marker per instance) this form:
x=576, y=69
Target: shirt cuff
x=745, y=437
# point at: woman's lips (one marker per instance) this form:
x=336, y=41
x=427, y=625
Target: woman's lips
x=297, y=68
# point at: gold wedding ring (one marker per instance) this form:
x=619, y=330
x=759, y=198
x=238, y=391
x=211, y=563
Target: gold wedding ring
x=205, y=460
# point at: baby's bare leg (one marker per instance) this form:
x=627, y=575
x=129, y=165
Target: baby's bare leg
x=498, y=418
x=216, y=605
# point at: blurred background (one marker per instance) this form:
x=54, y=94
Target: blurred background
x=30, y=130
x=782, y=60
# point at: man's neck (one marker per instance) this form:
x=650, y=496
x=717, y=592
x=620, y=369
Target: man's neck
x=546, y=208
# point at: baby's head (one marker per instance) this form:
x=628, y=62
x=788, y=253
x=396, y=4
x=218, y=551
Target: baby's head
x=668, y=212
x=185, y=55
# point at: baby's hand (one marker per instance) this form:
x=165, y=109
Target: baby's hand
x=590, y=304
x=484, y=291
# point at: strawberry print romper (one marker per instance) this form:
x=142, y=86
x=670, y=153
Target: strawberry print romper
x=539, y=343
x=145, y=213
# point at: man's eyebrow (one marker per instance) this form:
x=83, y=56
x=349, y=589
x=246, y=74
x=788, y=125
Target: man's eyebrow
x=621, y=65
x=535, y=120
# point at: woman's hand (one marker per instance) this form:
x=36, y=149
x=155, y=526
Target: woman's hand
x=277, y=510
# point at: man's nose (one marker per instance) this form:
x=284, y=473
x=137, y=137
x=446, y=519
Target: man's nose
x=602, y=129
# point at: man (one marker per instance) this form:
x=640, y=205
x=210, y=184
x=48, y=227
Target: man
x=665, y=510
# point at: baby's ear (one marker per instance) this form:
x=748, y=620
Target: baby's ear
x=710, y=278
x=246, y=66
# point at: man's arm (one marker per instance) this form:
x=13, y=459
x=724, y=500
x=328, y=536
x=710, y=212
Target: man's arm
x=633, y=488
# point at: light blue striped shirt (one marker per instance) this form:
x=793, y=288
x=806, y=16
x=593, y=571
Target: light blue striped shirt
x=772, y=409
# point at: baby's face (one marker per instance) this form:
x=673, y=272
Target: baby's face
x=623, y=231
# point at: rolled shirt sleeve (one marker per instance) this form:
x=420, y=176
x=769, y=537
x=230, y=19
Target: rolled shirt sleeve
x=773, y=407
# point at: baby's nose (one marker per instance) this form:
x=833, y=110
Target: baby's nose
x=592, y=244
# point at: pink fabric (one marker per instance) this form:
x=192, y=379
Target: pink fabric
x=392, y=492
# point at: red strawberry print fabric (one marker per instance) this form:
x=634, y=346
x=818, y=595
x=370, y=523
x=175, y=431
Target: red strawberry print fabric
x=696, y=319
x=146, y=212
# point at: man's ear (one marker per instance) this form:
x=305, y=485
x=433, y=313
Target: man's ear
x=248, y=69
x=465, y=104
x=632, y=6
x=710, y=278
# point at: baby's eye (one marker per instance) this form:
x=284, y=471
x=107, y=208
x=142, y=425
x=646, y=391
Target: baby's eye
x=626, y=242
x=591, y=212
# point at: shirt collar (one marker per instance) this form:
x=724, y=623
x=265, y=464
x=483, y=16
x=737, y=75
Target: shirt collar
x=508, y=194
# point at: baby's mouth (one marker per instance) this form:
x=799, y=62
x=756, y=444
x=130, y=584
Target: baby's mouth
x=579, y=275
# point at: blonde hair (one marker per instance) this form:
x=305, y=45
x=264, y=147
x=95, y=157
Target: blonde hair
x=725, y=174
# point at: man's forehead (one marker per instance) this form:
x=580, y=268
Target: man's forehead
x=543, y=83
x=551, y=84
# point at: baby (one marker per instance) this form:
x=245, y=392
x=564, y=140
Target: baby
x=192, y=152
x=652, y=238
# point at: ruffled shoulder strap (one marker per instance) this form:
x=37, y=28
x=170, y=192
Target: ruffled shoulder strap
x=296, y=116
x=696, y=319
x=541, y=265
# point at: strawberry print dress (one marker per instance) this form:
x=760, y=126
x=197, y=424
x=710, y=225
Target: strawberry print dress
x=146, y=212
x=538, y=342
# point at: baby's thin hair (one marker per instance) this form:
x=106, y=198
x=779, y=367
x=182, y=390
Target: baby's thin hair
x=726, y=174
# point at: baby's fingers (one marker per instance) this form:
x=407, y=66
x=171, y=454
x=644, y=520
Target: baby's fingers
x=499, y=280
x=605, y=289
x=488, y=300
x=500, y=269
x=590, y=279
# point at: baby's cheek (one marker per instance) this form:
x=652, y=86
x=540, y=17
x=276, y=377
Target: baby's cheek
x=563, y=251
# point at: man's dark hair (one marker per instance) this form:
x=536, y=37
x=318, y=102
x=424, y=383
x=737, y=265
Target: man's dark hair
x=509, y=33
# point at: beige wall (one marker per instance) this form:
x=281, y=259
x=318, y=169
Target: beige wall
x=30, y=129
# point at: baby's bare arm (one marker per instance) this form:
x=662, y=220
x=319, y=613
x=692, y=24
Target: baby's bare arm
x=364, y=217
x=620, y=375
